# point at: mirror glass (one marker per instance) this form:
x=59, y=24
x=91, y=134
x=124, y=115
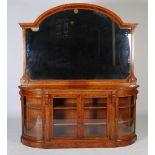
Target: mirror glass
x=78, y=44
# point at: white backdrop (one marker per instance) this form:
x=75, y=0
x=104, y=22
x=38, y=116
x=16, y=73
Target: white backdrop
x=28, y=11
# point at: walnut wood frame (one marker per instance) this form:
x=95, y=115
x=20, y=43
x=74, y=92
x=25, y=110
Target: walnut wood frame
x=47, y=89
x=130, y=80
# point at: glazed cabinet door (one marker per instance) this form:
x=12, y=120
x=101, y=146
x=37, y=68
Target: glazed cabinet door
x=95, y=115
x=64, y=116
x=126, y=116
x=32, y=117
x=78, y=116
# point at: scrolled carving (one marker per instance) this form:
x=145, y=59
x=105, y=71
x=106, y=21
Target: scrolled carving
x=132, y=80
x=25, y=79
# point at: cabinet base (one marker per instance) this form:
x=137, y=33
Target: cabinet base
x=79, y=143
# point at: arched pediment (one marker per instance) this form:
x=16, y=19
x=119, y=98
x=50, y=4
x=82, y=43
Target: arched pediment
x=73, y=6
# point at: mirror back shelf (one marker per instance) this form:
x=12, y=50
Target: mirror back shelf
x=79, y=43
x=78, y=88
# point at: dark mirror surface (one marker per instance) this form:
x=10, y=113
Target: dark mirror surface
x=78, y=44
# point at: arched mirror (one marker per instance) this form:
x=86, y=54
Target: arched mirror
x=78, y=44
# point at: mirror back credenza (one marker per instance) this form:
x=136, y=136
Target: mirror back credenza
x=78, y=87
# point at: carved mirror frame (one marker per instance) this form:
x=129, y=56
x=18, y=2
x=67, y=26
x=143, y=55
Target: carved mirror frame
x=129, y=81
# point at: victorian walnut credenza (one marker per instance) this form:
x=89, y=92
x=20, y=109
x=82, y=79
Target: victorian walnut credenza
x=78, y=88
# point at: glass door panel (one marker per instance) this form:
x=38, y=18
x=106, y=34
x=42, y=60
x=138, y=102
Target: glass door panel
x=126, y=116
x=64, y=117
x=95, y=116
x=33, y=117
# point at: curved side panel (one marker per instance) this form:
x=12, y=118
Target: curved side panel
x=33, y=118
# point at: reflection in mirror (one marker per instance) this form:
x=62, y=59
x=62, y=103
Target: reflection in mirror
x=82, y=45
